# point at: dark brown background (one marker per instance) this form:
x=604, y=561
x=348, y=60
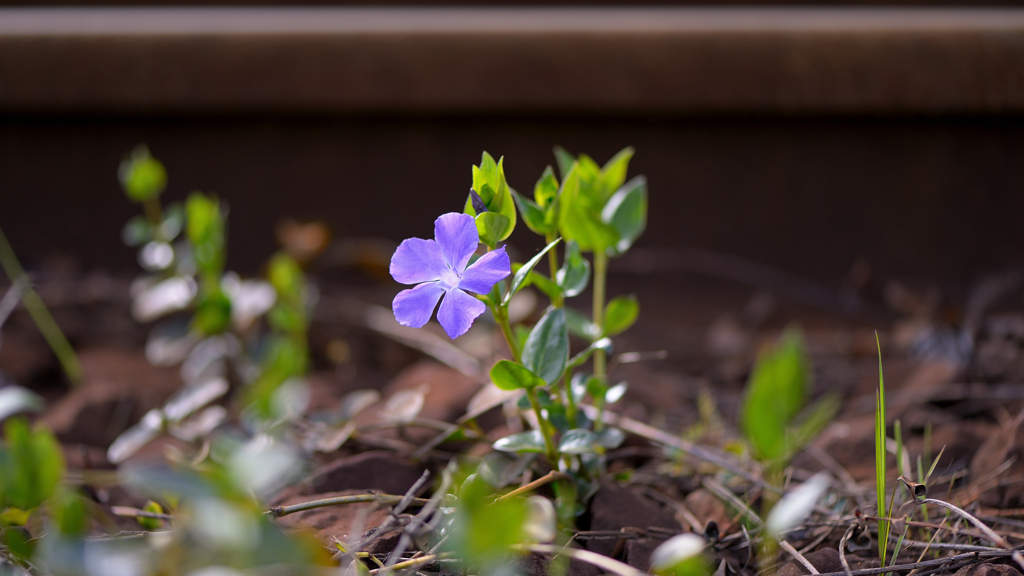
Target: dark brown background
x=802, y=147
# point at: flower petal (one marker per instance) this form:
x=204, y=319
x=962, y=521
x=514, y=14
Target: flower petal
x=486, y=272
x=457, y=312
x=413, y=307
x=417, y=260
x=456, y=234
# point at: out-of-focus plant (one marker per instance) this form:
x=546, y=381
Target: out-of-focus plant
x=776, y=418
x=226, y=332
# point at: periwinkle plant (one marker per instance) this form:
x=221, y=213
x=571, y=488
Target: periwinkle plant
x=224, y=331
x=593, y=209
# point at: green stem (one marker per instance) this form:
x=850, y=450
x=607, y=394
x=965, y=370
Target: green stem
x=549, y=442
x=600, y=360
x=600, y=272
x=37, y=309
x=501, y=317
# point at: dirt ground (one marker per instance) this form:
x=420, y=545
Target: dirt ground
x=954, y=371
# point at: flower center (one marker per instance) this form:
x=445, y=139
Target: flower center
x=449, y=278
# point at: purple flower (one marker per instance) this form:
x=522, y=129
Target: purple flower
x=438, y=267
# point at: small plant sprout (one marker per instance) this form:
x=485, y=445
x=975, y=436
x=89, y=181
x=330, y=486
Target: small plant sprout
x=880, y=472
x=775, y=417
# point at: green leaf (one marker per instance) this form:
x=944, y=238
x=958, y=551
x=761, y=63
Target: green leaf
x=531, y=441
x=613, y=174
x=524, y=271
x=545, y=285
x=564, y=159
x=32, y=465
x=546, y=189
x=547, y=349
x=142, y=176
x=574, y=274
x=620, y=314
x=205, y=229
x=213, y=315
x=532, y=214
x=489, y=182
x=610, y=438
x=775, y=394
x=492, y=228
x=508, y=375
x=581, y=326
x=578, y=441
x=579, y=215
x=600, y=344
x=626, y=211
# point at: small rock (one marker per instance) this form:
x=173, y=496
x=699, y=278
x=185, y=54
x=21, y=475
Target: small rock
x=825, y=560
x=615, y=508
x=638, y=553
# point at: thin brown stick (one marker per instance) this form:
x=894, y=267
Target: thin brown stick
x=279, y=511
x=545, y=479
x=412, y=563
x=798, y=556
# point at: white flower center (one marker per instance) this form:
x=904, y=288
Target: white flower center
x=449, y=279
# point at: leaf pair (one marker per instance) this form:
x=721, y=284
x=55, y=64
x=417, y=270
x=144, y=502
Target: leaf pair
x=490, y=201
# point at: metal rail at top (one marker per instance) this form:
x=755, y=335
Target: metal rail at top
x=658, y=60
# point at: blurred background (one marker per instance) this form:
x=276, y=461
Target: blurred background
x=818, y=140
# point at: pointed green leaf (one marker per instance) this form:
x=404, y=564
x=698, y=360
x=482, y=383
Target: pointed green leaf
x=564, y=159
x=581, y=326
x=620, y=314
x=578, y=441
x=532, y=441
x=491, y=226
x=613, y=174
x=610, y=438
x=626, y=211
x=574, y=274
x=490, y=184
x=508, y=375
x=579, y=214
x=775, y=395
x=601, y=344
x=546, y=188
x=532, y=214
x=547, y=349
x=520, y=276
x=545, y=285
